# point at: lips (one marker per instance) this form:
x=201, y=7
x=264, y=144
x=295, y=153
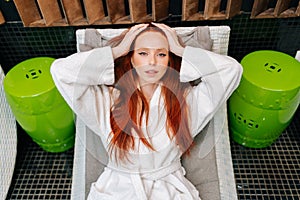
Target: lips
x=151, y=72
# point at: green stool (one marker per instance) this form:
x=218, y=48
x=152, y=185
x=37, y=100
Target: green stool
x=267, y=98
x=38, y=106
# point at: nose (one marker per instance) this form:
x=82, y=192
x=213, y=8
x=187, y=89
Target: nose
x=152, y=59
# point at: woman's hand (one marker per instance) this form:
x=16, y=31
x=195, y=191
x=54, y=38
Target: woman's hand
x=124, y=47
x=175, y=46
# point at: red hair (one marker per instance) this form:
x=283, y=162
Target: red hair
x=126, y=114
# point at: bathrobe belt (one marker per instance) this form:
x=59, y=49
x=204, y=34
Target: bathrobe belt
x=163, y=174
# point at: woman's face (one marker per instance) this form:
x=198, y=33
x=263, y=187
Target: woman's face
x=150, y=57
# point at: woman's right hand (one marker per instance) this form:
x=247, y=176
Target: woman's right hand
x=175, y=46
x=124, y=47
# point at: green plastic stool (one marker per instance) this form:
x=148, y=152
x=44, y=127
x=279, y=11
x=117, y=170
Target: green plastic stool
x=38, y=106
x=268, y=96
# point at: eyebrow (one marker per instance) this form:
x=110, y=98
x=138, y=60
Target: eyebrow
x=160, y=49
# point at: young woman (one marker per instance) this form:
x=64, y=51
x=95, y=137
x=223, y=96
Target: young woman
x=138, y=95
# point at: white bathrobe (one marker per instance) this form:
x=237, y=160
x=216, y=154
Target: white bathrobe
x=82, y=78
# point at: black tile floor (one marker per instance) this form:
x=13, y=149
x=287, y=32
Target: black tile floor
x=272, y=172
x=39, y=174
x=269, y=173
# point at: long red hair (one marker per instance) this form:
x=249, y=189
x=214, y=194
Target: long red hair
x=131, y=105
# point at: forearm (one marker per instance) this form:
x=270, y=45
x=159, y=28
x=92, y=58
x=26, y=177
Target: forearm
x=88, y=68
x=75, y=76
x=198, y=63
x=220, y=76
x=117, y=52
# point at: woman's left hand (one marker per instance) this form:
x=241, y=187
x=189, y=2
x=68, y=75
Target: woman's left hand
x=175, y=46
x=124, y=46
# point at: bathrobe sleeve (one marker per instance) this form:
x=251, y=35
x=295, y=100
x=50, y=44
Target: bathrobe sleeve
x=81, y=80
x=220, y=75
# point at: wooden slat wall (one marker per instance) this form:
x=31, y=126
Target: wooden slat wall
x=73, y=11
x=281, y=6
x=212, y=10
x=116, y=10
x=190, y=10
x=160, y=9
x=2, y=20
x=138, y=11
x=261, y=9
x=298, y=10
x=51, y=12
x=28, y=11
x=92, y=12
x=233, y=8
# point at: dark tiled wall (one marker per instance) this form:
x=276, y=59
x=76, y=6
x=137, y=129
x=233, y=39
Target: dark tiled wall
x=19, y=43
